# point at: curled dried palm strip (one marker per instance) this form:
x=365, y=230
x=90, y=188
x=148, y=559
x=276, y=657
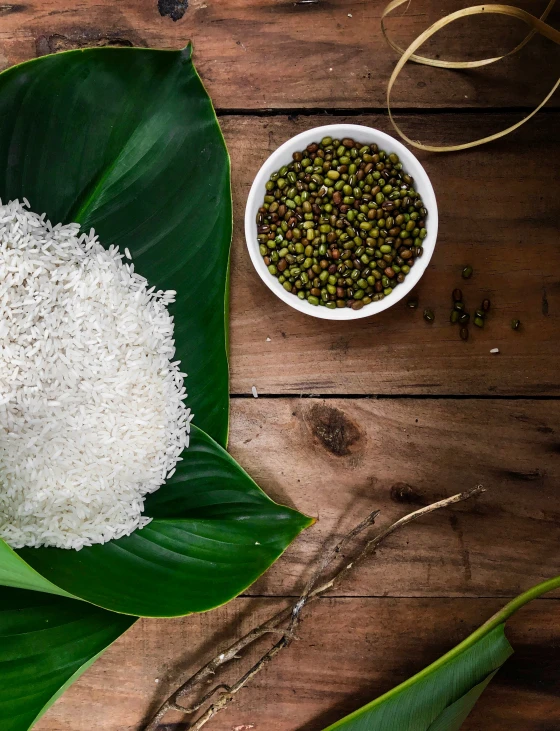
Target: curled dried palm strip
x=537, y=25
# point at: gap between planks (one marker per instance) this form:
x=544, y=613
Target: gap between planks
x=411, y=597
x=394, y=396
x=360, y=111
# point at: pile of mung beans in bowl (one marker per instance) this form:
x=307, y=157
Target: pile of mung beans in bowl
x=341, y=221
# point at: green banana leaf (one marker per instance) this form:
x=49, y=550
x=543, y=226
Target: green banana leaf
x=440, y=697
x=46, y=642
x=213, y=533
x=210, y=537
x=126, y=141
x=15, y=572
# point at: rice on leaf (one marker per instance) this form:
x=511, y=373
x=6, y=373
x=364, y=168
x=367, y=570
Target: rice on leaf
x=92, y=411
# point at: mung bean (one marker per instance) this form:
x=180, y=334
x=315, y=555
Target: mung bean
x=341, y=224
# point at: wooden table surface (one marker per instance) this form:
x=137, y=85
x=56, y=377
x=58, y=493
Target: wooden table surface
x=389, y=412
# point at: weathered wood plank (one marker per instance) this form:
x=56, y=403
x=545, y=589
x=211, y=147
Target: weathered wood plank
x=338, y=459
x=499, y=211
x=289, y=54
x=349, y=652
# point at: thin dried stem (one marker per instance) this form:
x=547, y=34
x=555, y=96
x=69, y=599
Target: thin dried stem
x=291, y=615
x=405, y=520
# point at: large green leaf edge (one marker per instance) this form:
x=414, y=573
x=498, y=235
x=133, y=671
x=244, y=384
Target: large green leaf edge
x=440, y=697
x=212, y=525
x=213, y=533
x=46, y=643
x=170, y=548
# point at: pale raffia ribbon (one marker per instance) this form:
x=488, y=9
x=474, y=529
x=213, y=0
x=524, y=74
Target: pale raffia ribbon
x=537, y=25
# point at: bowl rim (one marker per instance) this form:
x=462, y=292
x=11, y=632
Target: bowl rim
x=282, y=156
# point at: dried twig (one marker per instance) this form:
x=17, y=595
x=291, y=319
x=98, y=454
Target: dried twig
x=289, y=616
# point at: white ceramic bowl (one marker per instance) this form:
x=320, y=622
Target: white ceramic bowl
x=283, y=156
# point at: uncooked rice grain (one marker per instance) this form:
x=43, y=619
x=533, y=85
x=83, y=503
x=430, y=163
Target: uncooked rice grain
x=92, y=412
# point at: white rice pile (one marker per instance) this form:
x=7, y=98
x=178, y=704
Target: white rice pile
x=92, y=413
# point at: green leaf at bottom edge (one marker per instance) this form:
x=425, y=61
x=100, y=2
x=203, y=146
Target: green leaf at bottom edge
x=452, y=718
x=440, y=697
x=46, y=642
x=419, y=702
x=213, y=533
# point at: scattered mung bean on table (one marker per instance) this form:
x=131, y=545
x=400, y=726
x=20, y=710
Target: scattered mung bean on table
x=429, y=315
x=342, y=224
x=461, y=316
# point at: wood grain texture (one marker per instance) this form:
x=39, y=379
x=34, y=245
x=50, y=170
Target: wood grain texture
x=288, y=54
x=499, y=211
x=350, y=651
x=338, y=459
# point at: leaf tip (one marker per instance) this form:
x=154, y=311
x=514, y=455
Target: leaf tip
x=187, y=52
